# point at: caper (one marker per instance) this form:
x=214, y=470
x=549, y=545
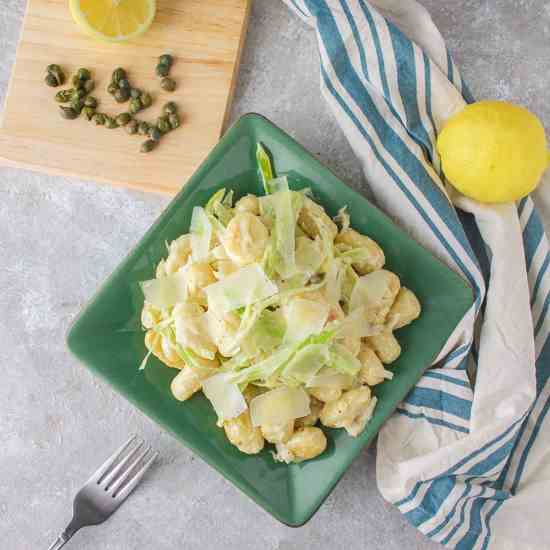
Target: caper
x=99, y=119
x=64, y=96
x=68, y=112
x=166, y=59
x=174, y=121
x=83, y=74
x=143, y=128
x=88, y=112
x=163, y=125
x=77, y=104
x=168, y=84
x=122, y=95
x=79, y=93
x=88, y=86
x=132, y=127
x=148, y=146
x=51, y=80
x=77, y=82
x=91, y=101
x=162, y=70
x=135, y=106
x=112, y=88
x=57, y=74
x=124, y=83
x=118, y=75
x=135, y=93
x=154, y=133
x=123, y=118
x=110, y=123
x=170, y=108
x=146, y=100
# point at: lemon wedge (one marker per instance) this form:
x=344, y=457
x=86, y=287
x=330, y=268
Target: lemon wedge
x=493, y=151
x=113, y=20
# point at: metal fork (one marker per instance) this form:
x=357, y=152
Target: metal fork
x=107, y=489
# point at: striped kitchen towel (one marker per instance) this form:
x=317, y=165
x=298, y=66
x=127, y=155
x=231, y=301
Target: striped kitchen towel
x=468, y=463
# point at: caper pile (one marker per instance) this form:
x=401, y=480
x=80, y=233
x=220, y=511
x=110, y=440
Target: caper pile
x=168, y=121
x=122, y=91
x=78, y=96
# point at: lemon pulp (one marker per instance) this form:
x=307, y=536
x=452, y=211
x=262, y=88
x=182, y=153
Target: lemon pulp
x=113, y=20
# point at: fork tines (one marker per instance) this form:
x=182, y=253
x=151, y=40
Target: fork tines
x=124, y=469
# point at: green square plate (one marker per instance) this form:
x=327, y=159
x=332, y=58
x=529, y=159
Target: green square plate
x=108, y=339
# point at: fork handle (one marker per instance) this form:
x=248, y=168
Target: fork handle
x=61, y=541
x=72, y=528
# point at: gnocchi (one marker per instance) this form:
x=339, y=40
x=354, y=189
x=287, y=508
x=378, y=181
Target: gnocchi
x=349, y=412
x=305, y=444
x=245, y=239
x=386, y=346
x=404, y=310
x=153, y=342
x=312, y=418
x=240, y=432
x=278, y=433
x=313, y=220
x=372, y=370
x=199, y=275
x=374, y=255
x=248, y=203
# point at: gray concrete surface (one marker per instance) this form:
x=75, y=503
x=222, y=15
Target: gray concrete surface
x=59, y=238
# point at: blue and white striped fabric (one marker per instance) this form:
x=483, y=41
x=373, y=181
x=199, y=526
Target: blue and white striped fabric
x=468, y=466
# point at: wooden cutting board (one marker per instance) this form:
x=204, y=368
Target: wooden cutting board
x=205, y=37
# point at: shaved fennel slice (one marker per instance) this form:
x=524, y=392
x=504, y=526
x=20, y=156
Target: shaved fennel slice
x=165, y=292
x=370, y=290
x=222, y=333
x=334, y=278
x=304, y=318
x=240, y=289
x=305, y=364
x=309, y=255
x=278, y=184
x=355, y=325
x=253, y=312
x=216, y=198
x=225, y=396
x=348, y=283
x=219, y=207
x=191, y=331
x=267, y=333
x=266, y=368
x=201, y=234
x=264, y=165
x=285, y=226
x=342, y=360
x=279, y=406
x=329, y=378
x=143, y=363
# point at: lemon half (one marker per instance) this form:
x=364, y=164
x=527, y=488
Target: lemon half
x=113, y=20
x=493, y=151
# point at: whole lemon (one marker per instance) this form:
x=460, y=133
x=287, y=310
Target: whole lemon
x=493, y=151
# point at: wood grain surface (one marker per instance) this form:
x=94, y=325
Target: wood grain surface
x=206, y=39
